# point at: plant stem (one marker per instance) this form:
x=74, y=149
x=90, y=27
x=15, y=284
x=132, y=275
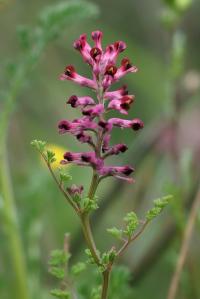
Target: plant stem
x=12, y=230
x=133, y=238
x=89, y=238
x=106, y=277
x=184, y=248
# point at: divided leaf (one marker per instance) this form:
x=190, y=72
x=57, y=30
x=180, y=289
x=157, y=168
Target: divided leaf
x=159, y=205
x=132, y=223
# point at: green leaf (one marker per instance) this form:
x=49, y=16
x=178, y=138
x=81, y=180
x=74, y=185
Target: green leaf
x=132, y=222
x=60, y=294
x=39, y=145
x=115, y=232
x=50, y=156
x=180, y=5
x=64, y=176
x=89, y=204
x=57, y=272
x=159, y=205
x=55, y=17
x=96, y=293
x=58, y=258
x=78, y=268
x=90, y=257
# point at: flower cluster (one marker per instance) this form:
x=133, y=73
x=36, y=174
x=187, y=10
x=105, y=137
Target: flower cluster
x=94, y=127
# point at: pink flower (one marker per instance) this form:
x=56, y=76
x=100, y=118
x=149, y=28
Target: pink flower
x=97, y=110
x=134, y=124
x=125, y=68
x=70, y=74
x=117, y=94
x=120, y=172
x=95, y=127
x=122, y=105
x=97, y=38
x=75, y=101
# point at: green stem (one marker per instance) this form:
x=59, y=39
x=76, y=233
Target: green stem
x=89, y=238
x=106, y=277
x=14, y=241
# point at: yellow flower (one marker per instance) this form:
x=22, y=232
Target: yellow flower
x=59, y=151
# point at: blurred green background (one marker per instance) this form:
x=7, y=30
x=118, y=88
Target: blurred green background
x=164, y=43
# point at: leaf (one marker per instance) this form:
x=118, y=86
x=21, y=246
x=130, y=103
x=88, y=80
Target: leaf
x=64, y=176
x=54, y=17
x=159, y=205
x=132, y=223
x=50, y=156
x=39, y=145
x=78, y=268
x=57, y=272
x=115, y=232
x=58, y=257
x=60, y=294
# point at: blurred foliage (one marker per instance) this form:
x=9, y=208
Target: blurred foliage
x=38, y=99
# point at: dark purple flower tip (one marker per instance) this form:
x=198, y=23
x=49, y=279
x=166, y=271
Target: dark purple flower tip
x=124, y=90
x=75, y=190
x=111, y=70
x=78, y=45
x=116, y=149
x=72, y=101
x=64, y=126
x=126, y=63
x=87, y=157
x=69, y=156
x=137, y=124
x=84, y=138
x=105, y=125
x=95, y=52
x=122, y=147
x=127, y=170
x=96, y=35
x=120, y=46
x=70, y=71
x=83, y=37
x=126, y=102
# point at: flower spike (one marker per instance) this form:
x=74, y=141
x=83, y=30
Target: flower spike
x=94, y=128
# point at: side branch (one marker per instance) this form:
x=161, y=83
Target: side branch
x=133, y=238
x=65, y=192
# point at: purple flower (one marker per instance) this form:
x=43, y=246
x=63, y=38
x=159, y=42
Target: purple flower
x=70, y=74
x=95, y=127
x=75, y=101
x=122, y=104
x=120, y=172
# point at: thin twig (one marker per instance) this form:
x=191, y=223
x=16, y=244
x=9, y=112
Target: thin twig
x=133, y=238
x=161, y=242
x=184, y=248
x=65, y=192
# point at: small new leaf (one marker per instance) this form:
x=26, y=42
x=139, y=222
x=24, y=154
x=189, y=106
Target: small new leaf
x=90, y=257
x=57, y=272
x=78, y=268
x=115, y=232
x=132, y=222
x=96, y=293
x=89, y=204
x=58, y=258
x=39, y=145
x=60, y=294
x=159, y=205
x=50, y=156
x=64, y=176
